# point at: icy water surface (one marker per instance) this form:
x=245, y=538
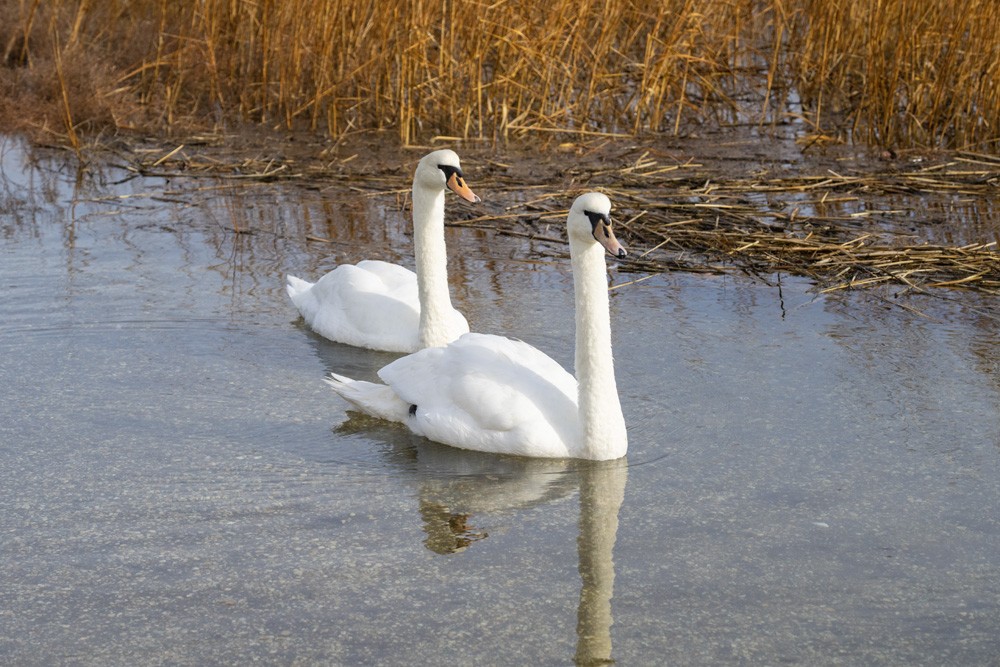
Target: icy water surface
x=810, y=480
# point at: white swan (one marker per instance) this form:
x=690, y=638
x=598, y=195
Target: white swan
x=494, y=394
x=384, y=306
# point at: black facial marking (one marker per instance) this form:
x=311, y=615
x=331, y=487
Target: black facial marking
x=413, y=410
x=597, y=219
x=450, y=171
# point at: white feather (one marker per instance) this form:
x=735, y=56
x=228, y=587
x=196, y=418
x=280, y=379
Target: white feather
x=378, y=305
x=377, y=400
x=495, y=394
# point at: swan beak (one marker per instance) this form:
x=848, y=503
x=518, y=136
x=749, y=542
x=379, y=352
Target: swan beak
x=458, y=185
x=606, y=238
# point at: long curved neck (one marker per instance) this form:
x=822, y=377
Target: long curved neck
x=432, y=265
x=600, y=410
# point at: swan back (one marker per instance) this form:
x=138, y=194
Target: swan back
x=384, y=306
x=489, y=393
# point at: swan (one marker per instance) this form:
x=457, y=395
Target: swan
x=385, y=306
x=494, y=394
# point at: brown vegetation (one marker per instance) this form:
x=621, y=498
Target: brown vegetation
x=893, y=73
x=833, y=228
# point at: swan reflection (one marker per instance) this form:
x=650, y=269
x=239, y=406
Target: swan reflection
x=454, y=486
x=602, y=490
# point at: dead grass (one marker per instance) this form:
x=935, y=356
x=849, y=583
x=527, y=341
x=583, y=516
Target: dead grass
x=902, y=72
x=893, y=73
x=832, y=228
x=826, y=235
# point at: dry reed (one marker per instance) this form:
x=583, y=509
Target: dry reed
x=903, y=72
x=679, y=217
x=896, y=72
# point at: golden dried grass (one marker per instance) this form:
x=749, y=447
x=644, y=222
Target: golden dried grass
x=903, y=72
x=826, y=235
x=894, y=73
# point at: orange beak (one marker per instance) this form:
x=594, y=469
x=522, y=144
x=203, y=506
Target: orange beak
x=457, y=185
x=606, y=238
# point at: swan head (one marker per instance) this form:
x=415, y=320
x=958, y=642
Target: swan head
x=590, y=220
x=442, y=169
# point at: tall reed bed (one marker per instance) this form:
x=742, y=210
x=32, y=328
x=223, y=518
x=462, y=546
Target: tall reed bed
x=893, y=72
x=901, y=72
x=441, y=67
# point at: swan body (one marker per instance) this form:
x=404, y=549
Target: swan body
x=384, y=306
x=494, y=394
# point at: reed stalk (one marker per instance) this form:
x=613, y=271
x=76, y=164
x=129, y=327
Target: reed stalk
x=893, y=73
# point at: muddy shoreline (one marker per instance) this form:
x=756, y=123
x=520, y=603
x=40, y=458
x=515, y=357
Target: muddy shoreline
x=742, y=200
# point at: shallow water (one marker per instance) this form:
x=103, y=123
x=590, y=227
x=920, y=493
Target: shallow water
x=810, y=480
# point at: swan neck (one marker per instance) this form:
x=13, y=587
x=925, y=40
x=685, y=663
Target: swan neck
x=601, y=416
x=432, y=265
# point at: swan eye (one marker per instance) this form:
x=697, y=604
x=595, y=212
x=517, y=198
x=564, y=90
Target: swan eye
x=450, y=171
x=597, y=219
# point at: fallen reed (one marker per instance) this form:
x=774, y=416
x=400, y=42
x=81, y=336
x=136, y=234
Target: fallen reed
x=835, y=229
x=893, y=73
x=824, y=231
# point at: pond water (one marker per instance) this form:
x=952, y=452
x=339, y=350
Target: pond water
x=810, y=479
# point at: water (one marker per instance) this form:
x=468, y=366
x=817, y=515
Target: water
x=810, y=480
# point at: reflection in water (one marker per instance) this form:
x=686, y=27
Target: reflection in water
x=455, y=485
x=448, y=532
x=602, y=490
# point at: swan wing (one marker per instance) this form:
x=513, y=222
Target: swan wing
x=489, y=393
x=394, y=278
x=371, y=304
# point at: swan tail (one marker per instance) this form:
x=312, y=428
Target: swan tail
x=377, y=400
x=296, y=286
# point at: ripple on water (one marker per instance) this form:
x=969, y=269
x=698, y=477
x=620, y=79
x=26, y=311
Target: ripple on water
x=167, y=432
